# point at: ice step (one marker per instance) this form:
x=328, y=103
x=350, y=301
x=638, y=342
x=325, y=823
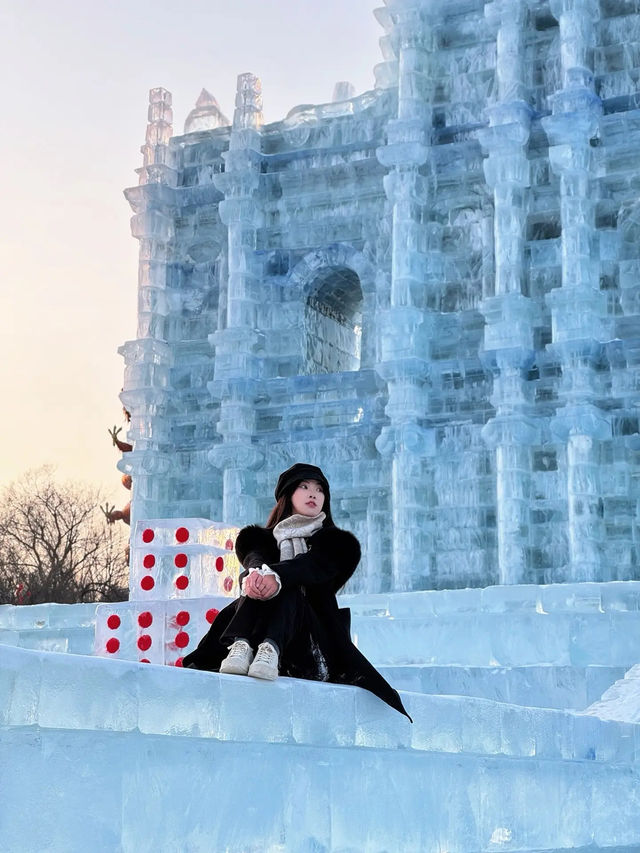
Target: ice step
x=47, y=616
x=229, y=763
x=49, y=627
x=501, y=639
x=589, y=597
x=545, y=686
x=54, y=690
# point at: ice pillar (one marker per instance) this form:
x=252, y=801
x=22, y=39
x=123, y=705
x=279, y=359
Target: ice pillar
x=509, y=313
x=512, y=432
x=148, y=358
x=236, y=363
x=578, y=332
x=405, y=324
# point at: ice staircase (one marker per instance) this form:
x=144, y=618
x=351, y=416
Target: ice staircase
x=113, y=755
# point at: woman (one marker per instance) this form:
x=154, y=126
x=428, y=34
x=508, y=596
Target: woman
x=287, y=618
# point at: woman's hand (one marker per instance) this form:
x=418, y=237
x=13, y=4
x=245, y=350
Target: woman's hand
x=259, y=586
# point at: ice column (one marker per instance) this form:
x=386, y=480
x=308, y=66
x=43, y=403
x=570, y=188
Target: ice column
x=148, y=358
x=629, y=265
x=578, y=308
x=625, y=351
x=386, y=73
x=404, y=325
x=509, y=312
x=236, y=363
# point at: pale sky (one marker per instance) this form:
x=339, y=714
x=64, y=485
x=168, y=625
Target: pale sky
x=75, y=80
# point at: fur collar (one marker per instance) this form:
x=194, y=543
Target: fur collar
x=256, y=545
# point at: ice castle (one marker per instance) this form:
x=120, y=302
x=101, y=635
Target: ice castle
x=432, y=290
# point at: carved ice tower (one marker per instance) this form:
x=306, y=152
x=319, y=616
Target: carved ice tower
x=430, y=289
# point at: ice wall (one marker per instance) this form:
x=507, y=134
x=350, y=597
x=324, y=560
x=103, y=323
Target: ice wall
x=429, y=289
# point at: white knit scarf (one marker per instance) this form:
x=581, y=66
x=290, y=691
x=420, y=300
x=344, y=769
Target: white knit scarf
x=291, y=532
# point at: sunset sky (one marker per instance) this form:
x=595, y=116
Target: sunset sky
x=75, y=81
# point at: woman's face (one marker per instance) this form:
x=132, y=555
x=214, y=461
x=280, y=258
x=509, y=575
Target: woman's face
x=308, y=498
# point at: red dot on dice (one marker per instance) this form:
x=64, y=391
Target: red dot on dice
x=183, y=617
x=113, y=622
x=113, y=645
x=229, y=545
x=211, y=615
x=145, y=660
x=219, y=564
x=144, y=642
x=182, y=534
x=149, y=561
x=181, y=560
x=182, y=582
x=147, y=582
x=178, y=662
x=148, y=535
x=228, y=583
x=145, y=619
x=182, y=639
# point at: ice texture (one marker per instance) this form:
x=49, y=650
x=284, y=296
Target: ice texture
x=159, y=632
x=182, y=558
x=429, y=289
x=622, y=700
x=107, y=739
x=51, y=627
x=118, y=755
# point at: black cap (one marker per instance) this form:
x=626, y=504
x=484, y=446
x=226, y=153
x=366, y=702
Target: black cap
x=296, y=474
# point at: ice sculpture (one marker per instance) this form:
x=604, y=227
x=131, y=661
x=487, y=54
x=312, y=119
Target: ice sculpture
x=182, y=572
x=429, y=289
x=432, y=290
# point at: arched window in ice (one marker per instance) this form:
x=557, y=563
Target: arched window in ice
x=333, y=322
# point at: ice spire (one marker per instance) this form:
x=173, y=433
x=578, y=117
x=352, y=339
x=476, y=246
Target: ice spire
x=343, y=91
x=206, y=115
x=248, y=112
x=237, y=369
x=155, y=151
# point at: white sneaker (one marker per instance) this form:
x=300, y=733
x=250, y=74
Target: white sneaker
x=238, y=660
x=265, y=664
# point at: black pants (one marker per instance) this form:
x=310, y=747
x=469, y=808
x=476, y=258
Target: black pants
x=278, y=619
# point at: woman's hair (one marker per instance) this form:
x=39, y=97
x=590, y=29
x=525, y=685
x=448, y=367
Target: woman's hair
x=284, y=508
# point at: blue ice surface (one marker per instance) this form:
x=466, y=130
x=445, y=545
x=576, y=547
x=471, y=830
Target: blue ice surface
x=118, y=755
x=432, y=290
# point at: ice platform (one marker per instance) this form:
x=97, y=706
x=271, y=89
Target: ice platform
x=320, y=767
x=102, y=742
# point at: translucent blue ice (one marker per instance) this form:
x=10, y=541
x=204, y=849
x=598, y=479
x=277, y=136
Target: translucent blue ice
x=431, y=290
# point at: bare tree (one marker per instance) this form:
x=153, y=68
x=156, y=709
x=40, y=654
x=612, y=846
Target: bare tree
x=55, y=544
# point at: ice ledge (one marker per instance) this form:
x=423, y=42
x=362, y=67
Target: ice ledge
x=56, y=691
x=586, y=597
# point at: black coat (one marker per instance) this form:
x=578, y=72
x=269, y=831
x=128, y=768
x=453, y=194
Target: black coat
x=331, y=559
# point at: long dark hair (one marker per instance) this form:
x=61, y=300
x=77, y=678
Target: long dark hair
x=284, y=508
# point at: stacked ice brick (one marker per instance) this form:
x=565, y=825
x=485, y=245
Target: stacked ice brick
x=182, y=570
x=431, y=290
